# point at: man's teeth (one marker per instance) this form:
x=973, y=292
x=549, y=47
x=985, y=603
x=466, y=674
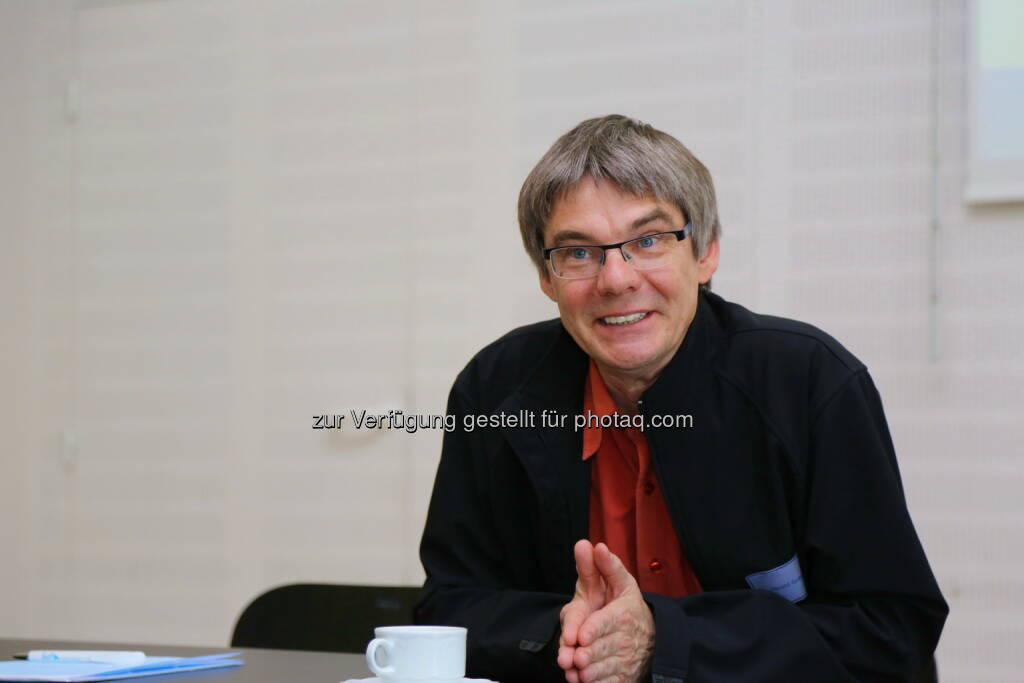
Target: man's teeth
x=623, y=319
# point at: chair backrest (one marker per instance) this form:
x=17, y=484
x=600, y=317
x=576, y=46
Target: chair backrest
x=324, y=617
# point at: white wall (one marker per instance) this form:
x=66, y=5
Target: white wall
x=221, y=217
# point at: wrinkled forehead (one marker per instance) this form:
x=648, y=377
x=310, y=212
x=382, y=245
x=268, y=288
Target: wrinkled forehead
x=592, y=203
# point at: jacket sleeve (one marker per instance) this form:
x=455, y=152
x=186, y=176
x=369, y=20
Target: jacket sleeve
x=873, y=610
x=472, y=578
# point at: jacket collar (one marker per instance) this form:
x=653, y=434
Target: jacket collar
x=694, y=356
x=690, y=457
x=551, y=455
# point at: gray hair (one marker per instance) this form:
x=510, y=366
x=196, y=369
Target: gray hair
x=635, y=156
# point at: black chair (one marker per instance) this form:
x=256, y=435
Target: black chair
x=323, y=617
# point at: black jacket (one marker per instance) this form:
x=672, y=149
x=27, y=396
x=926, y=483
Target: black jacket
x=788, y=455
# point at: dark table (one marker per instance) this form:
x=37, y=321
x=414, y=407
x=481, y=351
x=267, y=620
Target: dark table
x=261, y=666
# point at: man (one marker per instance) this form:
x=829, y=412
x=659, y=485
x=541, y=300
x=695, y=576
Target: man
x=729, y=510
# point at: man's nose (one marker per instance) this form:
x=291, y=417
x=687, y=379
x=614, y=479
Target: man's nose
x=616, y=275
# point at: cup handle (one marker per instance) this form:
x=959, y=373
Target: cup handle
x=371, y=657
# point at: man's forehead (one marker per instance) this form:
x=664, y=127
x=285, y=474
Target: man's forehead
x=632, y=211
x=589, y=184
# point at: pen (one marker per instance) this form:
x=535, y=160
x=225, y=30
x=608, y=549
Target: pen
x=93, y=656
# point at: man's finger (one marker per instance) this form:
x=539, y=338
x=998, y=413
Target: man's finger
x=600, y=649
x=609, y=668
x=589, y=576
x=612, y=571
x=572, y=618
x=596, y=625
x=566, y=657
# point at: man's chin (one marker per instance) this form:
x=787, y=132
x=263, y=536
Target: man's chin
x=625, y=362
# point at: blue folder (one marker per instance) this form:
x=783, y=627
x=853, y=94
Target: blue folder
x=73, y=672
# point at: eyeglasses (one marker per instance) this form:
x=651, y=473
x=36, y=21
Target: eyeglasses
x=580, y=261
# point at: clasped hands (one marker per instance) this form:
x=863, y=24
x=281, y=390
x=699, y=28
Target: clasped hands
x=607, y=628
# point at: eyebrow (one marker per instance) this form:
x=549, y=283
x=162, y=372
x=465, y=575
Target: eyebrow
x=657, y=214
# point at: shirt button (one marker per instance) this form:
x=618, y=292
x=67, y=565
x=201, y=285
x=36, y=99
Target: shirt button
x=656, y=566
x=648, y=488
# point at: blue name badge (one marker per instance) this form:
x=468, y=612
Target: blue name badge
x=786, y=580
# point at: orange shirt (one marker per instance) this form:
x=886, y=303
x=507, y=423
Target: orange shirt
x=627, y=510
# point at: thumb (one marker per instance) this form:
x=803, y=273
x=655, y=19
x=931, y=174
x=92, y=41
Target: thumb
x=591, y=582
x=612, y=570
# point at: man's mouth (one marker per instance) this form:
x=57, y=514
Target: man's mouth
x=624, y=319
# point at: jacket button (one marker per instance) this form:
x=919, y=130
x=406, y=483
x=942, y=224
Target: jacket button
x=656, y=566
x=648, y=488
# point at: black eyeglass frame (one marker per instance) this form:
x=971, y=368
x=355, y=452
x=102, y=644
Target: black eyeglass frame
x=680, y=234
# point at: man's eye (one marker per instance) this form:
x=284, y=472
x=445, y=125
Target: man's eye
x=579, y=254
x=647, y=242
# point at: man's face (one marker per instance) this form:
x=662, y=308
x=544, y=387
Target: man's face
x=631, y=322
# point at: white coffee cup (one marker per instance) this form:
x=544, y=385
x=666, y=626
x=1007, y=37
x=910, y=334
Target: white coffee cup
x=401, y=654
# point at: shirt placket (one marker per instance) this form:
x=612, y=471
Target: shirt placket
x=651, y=566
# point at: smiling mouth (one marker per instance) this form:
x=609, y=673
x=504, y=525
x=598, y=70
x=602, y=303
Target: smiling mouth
x=630, y=319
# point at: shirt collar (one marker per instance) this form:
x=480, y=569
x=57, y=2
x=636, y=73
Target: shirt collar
x=596, y=401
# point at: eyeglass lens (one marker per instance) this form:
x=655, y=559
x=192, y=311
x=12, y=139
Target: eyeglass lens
x=583, y=261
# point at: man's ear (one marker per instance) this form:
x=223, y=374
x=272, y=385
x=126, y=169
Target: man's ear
x=546, y=285
x=708, y=264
